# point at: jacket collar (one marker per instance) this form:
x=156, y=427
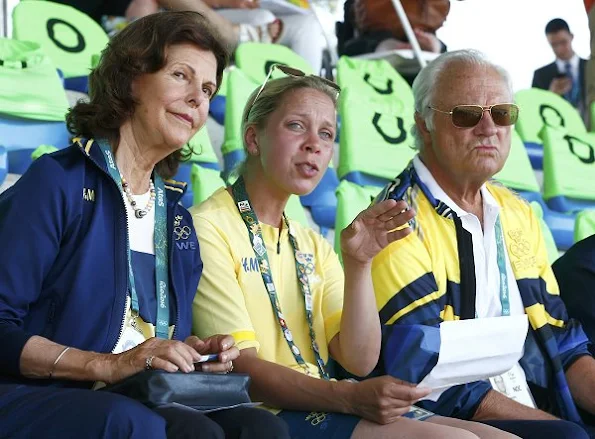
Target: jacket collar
x=90, y=148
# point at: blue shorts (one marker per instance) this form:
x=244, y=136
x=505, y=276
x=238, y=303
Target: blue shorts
x=323, y=425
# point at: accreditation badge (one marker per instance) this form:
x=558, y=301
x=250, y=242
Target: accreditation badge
x=514, y=385
x=135, y=331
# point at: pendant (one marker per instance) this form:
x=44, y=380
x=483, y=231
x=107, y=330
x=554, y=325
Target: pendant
x=140, y=213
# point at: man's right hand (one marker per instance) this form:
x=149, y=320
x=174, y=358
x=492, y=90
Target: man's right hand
x=561, y=86
x=383, y=399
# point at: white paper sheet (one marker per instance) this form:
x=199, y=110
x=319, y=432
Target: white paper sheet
x=476, y=349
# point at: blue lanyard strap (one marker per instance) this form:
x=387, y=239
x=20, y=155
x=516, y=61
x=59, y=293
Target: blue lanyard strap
x=302, y=261
x=504, y=292
x=160, y=241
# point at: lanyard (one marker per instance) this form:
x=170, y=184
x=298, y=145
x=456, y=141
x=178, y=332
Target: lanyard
x=160, y=240
x=255, y=234
x=504, y=293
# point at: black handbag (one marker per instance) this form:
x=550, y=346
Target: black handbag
x=198, y=390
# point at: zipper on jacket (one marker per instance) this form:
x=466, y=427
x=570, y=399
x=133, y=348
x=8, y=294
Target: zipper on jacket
x=123, y=324
x=171, y=284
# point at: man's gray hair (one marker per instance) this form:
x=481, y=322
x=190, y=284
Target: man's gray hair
x=424, y=86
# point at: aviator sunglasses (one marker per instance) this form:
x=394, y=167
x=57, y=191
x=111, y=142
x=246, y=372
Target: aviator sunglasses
x=289, y=71
x=467, y=116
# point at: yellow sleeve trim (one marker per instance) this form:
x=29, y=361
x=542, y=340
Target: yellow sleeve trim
x=332, y=325
x=245, y=340
x=539, y=317
x=413, y=305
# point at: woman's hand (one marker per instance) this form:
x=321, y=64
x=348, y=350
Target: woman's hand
x=374, y=228
x=168, y=355
x=428, y=41
x=224, y=345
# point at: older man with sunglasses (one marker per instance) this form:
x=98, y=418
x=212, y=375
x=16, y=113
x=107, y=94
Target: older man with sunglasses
x=477, y=251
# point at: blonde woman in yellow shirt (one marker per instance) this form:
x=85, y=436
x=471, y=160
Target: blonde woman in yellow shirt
x=279, y=289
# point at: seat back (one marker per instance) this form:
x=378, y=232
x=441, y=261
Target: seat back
x=351, y=200
x=255, y=59
x=517, y=173
x=202, y=149
x=542, y=108
x=374, y=79
x=584, y=225
x=30, y=87
x=548, y=237
x=376, y=143
x=3, y=164
x=239, y=88
x=205, y=182
x=68, y=36
x=569, y=170
x=21, y=137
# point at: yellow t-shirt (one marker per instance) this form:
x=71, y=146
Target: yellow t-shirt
x=232, y=298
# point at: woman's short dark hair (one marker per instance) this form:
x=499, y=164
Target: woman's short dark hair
x=138, y=49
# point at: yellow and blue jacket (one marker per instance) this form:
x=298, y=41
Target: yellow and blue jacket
x=428, y=277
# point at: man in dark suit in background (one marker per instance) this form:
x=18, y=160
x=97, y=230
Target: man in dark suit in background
x=566, y=75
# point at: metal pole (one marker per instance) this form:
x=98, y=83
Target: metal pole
x=4, y=30
x=409, y=32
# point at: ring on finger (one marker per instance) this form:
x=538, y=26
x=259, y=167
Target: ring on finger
x=149, y=362
x=230, y=368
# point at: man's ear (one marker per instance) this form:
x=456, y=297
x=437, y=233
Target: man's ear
x=421, y=124
x=251, y=140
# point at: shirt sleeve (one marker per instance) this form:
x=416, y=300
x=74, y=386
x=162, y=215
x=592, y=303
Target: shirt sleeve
x=33, y=219
x=408, y=299
x=334, y=284
x=219, y=306
x=575, y=273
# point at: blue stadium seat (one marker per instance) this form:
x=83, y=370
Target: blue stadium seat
x=322, y=201
x=21, y=137
x=3, y=164
x=217, y=109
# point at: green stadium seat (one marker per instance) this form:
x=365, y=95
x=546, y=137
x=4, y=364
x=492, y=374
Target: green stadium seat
x=202, y=150
x=584, y=225
x=255, y=59
x=375, y=79
x=569, y=170
x=239, y=88
x=351, y=200
x=295, y=211
x=69, y=37
x=375, y=143
x=30, y=87
x=539, y=109
x=548, y=237
x=205, y=182
x=33, y=103
x=517, y=173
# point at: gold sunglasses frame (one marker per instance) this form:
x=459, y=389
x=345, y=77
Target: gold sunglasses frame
x=483, y=108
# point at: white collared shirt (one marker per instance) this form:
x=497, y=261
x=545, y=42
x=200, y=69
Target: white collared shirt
x=574, y=64
x=487, y=274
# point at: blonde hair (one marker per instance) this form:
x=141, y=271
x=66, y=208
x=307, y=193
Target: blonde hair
x=257, y=113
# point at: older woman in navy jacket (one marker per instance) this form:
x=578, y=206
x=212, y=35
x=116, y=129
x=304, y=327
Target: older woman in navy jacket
x=95, y=284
